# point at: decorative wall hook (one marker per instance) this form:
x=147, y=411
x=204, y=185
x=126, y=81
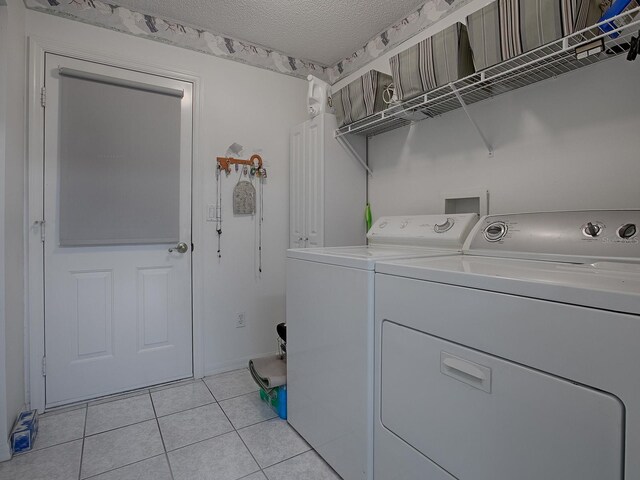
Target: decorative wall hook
x=224, y=163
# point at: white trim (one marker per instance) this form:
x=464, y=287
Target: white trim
x=38, y=46
x=5, y=454
x=234, y=365
x=5, y=451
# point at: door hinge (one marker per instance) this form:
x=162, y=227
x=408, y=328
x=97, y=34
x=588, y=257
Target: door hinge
x=41, y=224
x=44, y=366
x=43, y=97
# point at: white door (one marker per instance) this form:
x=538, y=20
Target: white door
x=314, y=210
x=117, y=197
x=297, y=187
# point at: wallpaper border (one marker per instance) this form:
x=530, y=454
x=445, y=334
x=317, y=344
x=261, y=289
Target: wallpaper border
x=124, y=20
x=121, y=19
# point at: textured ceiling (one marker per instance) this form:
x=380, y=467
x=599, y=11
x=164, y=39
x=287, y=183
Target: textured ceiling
x=321, y=31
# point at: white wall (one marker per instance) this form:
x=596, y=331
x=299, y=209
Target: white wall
x=12, y=122
x=242, y=104
x=568, y=143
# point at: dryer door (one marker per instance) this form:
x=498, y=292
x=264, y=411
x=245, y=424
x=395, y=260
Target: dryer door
x=480, y=417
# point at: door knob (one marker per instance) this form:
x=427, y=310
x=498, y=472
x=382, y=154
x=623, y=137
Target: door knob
x=180, y=248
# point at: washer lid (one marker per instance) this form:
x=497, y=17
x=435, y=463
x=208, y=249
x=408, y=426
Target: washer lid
x=364, y=257
x=607, y=285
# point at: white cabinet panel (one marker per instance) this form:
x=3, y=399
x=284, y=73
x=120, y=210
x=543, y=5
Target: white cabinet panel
x=327, y=188
x=315, y=183
x=297, y=187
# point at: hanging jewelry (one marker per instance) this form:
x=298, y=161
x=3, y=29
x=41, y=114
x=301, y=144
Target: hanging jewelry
x=219, y=210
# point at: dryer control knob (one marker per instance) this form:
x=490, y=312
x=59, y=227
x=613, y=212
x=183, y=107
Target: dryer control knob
x=592, y=230
x=444, y=227
x=495, y=231
x=627, y=231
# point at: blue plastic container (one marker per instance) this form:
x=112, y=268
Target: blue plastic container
x=616, y=8
x=277, y=400
x=24, y=432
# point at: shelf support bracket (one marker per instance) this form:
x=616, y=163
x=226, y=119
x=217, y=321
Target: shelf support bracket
x=352, y=151
x=473, y=122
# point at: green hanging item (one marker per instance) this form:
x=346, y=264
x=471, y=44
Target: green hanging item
x=367, y=216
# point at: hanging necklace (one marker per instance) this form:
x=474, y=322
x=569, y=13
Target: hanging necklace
x=219, y=209
x=260, y=220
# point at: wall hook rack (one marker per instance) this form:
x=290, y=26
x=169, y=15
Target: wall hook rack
x=224, y=163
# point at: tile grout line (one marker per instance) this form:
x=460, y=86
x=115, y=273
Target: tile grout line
x=118, y=428
x=233, y=428
x=123, y=466
x=275, y=415
x=287, y=459
x=310, y=449
x=237, y=433
x=237, y=396
x=149, y=392
x=187, y=409
x=247, y=476
x=218, y=435
x=84, y=435
x=34, y=450
x=206, y=385
x=166, y=454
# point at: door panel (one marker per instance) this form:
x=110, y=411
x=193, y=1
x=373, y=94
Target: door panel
x=117, y=316
x=153, y=307
x=298, y=190
x=92, y=306
x=315, y=182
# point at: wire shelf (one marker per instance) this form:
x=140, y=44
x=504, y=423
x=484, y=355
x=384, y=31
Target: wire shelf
x=548, y=61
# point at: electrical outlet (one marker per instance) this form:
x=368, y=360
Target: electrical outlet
x=241, y=320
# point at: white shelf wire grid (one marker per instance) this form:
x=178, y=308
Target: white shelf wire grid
x=548, y=61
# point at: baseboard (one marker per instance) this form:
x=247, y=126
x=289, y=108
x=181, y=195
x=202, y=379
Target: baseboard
x=5, y=451
x=233, y=365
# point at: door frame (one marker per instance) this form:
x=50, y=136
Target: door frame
x=5, y=451
x=34, y=315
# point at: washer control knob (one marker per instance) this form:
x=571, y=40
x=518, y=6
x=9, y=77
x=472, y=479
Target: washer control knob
x=444, y=227
x=592, y=230
x=628, y=230
x=495, y=231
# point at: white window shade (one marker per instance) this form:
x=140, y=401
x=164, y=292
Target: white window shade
x=119, y=162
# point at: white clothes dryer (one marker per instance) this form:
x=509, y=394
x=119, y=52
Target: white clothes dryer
x=518, y=359
x=330, y=333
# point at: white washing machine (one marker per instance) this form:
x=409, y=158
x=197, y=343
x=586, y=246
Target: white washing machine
x=330, y=333
x=519, y=359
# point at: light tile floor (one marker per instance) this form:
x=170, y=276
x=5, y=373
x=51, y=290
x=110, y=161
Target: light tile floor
x=211, y=429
